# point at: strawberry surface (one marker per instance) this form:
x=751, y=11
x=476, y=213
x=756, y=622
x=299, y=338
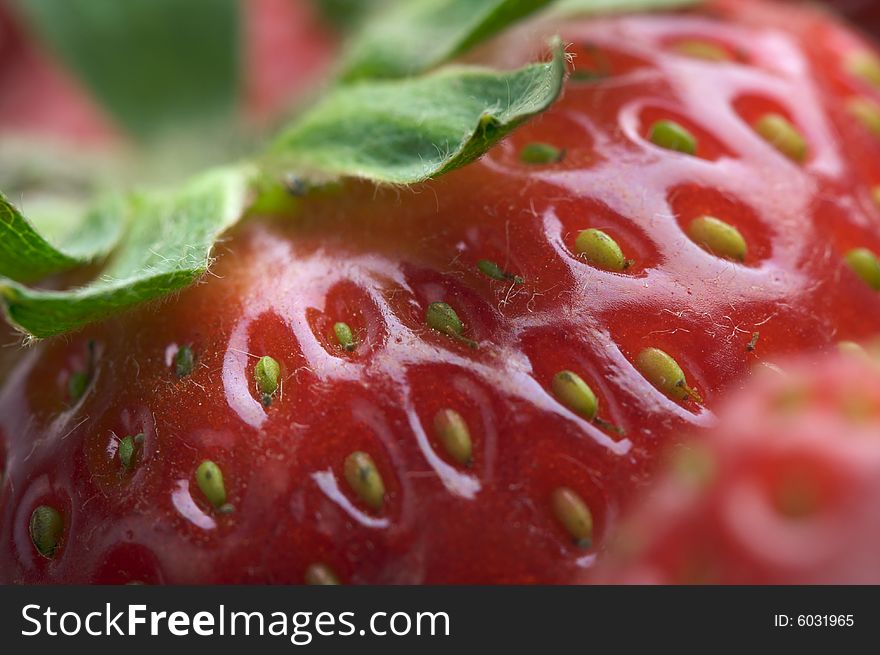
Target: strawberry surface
x=353, y=468
x=784, y=491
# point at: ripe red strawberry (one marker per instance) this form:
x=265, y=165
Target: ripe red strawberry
x=591, y=311
x=784, y=491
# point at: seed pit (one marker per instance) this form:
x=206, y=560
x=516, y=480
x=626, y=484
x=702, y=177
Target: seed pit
x=350, y=419
x=554, y=142
x=864, y=66
x=574, y=507
x=446, y=399
x=690, y=202
x=347, y=303
x=443, y=304
x=704, y=48
x=570, y=373
x=668, y=333
x=775, y=124
x=855, y=243
x=867, y=113
x=705, y=145
x=270, y=336
x=798, y=487
x=638, y=252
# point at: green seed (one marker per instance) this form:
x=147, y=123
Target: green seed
x=778, y=131
x=320, y=575
x=694, y=465
x=266, y=374
x=442, y=318
x=574, y=515
x=453, y=433
x=492, y=270
x=209, y=478
x=797, y=495
x=718, y=237
x=77, y=385
x=865, y=66
x=665, y=374
x=672, y=136
x=184, y=361
x=46, y=528
x=866, y=266
x=601, y=251
x=571, y=390
x=701, y=50
x=345, y=336
x=364, y=479
x=541, y=153
x=867, y=112
x=127, y=448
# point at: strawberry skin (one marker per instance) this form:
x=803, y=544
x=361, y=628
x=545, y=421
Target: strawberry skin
x=783, y=491
x=353, y=468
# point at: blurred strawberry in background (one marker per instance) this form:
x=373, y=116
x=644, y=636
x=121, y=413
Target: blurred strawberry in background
x=38, y=95
x=285, y=51
x=284, y=48
x=783, y=491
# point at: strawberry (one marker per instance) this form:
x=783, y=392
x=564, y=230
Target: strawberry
x=469, y=380
x=783, y=491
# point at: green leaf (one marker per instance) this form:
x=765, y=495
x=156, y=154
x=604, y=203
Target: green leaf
x=406, y=131
x=159, y=242
x=152, y=63
x=412, y=36
x=166, y=247
x=571, y=7
x=26, y=255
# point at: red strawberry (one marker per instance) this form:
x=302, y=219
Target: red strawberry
x=784, y=491
x=590, y=312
